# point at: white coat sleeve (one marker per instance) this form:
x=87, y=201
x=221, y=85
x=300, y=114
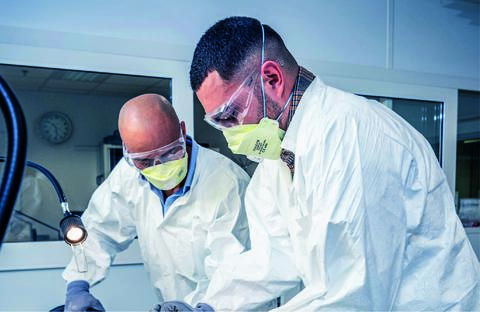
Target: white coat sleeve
x=355, y=259
x=227, y=231
x=251, y=280
x=110, y=226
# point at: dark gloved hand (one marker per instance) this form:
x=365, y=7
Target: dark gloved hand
x=80, y=299
x=203, y=307
x=175, y=306
x=180, y=306
x=156, y=308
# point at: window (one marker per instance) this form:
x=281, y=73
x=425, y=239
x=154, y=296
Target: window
x=425, y=116
x=467, y=186
x=91, y=100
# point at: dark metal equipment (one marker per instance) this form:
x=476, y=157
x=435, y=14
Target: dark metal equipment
x=16, y=154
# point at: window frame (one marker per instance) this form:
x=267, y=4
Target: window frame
x=182, y=100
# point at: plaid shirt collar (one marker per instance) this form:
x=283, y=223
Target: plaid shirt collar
x=304, y=79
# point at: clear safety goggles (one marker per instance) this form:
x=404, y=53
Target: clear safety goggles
x=172, y=151
x=232, y=113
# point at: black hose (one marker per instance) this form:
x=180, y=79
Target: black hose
x=16, y=154
x=53, y=180
x=56, y=185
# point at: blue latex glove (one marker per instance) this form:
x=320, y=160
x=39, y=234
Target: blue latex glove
x=80, y=299
x=175, y=306
x=203, y=307
x=180, y=306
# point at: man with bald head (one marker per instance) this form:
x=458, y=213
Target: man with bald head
x=182, y=201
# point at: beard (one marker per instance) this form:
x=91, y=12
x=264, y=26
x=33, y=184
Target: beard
x=274, y=109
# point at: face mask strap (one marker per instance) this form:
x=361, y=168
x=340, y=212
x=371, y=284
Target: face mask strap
x=261, y=76
x=285, y=107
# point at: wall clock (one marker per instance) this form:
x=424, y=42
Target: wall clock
x=55, y=127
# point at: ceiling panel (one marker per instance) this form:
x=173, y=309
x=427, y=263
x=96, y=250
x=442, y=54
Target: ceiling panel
x=64, y=90
x=127, y=95
x=75, y=75
x=23, y=78
x=132, y=80
x=77, y=85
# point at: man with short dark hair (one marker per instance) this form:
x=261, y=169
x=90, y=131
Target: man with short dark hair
x=348, y=199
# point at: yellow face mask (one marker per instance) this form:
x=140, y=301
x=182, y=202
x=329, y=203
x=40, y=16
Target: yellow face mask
x=260, y=140
x=167, y=175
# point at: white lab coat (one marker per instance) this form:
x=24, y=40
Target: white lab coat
x=180, y=250
x=367, y=223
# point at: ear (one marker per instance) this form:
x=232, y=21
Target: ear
x=273, y=80
x=184, y=129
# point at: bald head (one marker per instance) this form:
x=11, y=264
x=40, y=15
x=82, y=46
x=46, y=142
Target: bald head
x=147, y=122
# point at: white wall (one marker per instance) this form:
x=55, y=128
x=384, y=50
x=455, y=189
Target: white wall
x=431, y=42
x=437, y=36
x=30, y=279
x=42, y=290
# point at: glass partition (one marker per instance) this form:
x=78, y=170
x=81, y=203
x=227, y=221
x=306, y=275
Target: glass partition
x=467, y=186
x=425, y=116
x=71, y=116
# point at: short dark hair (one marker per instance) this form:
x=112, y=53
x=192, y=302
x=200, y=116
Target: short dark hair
x=226, y=47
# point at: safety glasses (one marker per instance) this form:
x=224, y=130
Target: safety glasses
x=232, y=113
x=173, y=151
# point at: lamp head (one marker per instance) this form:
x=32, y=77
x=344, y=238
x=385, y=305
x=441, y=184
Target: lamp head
x=73, y=230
